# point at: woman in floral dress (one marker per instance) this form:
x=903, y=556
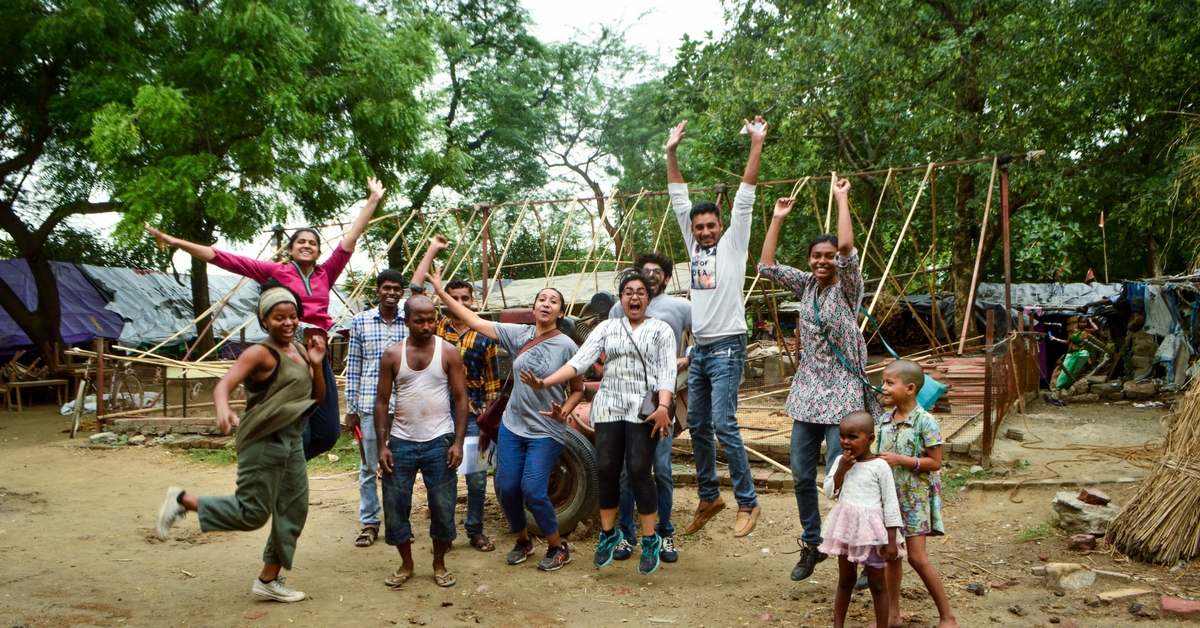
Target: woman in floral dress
x=825, y=389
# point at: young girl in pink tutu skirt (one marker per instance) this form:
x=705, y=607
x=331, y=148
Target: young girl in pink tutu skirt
x=861, y=527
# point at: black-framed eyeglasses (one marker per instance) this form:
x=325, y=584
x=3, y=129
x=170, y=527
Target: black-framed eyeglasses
x=628, y=294
x=652, y=271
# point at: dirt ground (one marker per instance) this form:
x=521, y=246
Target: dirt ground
x=77, y=549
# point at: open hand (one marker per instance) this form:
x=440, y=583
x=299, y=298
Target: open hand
x=661, y=423
x=841, y=189
x=755, y=134
x=316, y=351
x=375, y=189
x=676, y=137
x=532, y=381
x=556, y=412
x=783, y=207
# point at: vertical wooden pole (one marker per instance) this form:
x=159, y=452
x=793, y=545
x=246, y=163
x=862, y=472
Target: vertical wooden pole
x=487, y=232
x=1007, y=252
x=987, y=208
x=988, y=393
x=99, y=342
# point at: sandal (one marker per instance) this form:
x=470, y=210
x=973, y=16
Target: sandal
x=482, y=543
x=366, y=538
x=397, y=579
x=445, y=580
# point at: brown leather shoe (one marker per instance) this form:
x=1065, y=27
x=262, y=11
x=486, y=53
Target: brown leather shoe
x=704, y=512
x=746, y=520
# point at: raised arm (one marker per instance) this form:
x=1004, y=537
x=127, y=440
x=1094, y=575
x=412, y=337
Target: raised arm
x=375, y=192
x=460, y=311
x=674, y=175
x=783, y=207
x=845, y=230
x=757, y=138
x=199, y=251
x=437, y=244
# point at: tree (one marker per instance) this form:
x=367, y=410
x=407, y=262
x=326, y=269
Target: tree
x=254, y=108
x=62, y=61
x=81, y=246
x=853, y=86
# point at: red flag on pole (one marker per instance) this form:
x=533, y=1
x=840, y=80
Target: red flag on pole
x=1101, y=220
x=1091, y=276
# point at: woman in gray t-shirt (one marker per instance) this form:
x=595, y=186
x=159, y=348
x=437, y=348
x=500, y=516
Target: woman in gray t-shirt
x=533, y=429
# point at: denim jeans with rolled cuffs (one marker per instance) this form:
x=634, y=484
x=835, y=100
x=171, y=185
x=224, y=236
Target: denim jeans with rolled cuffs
x=368, y=471
x=713, y=381
x=476, y=491
x=806, y=451
x=665, y=484
x=441, y=488
x=324, y=426
x=523, y=467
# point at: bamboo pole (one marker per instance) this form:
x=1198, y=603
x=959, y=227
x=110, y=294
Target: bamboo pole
x=900, y=240
x=987, y=208
x=867, y=242
x=829, y=207
x=512, y=233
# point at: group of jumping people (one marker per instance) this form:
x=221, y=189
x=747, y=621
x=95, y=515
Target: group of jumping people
x=417, y=381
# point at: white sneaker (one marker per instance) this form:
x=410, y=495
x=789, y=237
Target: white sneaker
x=275, y=590
x=170, y=512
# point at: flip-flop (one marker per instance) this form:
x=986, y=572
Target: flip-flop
x=397, y=579
x=445, y=580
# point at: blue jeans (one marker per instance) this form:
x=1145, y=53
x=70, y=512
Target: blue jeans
x=806, y=450
x=441, y=488
x=476, y=491
x=368, y=470
x=523, y=467
x=666, y=493
x=323, y=427
x=713, y=381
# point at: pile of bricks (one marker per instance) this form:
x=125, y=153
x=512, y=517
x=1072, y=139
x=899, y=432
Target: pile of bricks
x=161, y=426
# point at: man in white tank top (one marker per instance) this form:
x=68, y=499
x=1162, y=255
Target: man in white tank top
x=423, y=375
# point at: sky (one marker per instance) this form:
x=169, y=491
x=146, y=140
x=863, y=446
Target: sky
x=656, y=27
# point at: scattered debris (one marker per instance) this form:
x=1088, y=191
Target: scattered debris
x=1014, y=434
x=138, y=439
x=1150, y=404
x=1081, y=542
x=104, y=437
x=1078, y=517
x=1108, y=597
x=977, y=589
x=1062, y=577
x=1181, y=607
x=1017, y=610
x=1094, y=496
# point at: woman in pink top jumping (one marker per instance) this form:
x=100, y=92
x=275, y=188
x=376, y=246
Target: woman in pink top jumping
x=313, y=282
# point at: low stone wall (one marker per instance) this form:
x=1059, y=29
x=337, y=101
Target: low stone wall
x=161, y=426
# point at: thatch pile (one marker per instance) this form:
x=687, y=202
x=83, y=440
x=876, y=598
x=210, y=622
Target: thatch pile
x=1161, y=524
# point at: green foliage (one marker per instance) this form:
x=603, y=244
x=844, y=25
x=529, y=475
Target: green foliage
x=1039, y=532
x=346, y=450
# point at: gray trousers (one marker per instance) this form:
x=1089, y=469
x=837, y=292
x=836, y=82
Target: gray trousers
x=272, y=483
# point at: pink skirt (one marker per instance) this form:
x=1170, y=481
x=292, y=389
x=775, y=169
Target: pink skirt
x=856, y=532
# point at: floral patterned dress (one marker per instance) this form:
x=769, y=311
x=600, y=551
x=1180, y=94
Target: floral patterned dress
x=920, y=494
x=824, y=390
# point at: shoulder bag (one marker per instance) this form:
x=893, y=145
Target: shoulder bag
x=489, y=420
x=650, y=401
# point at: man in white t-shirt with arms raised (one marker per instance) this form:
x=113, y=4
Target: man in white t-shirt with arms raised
x=719, y=325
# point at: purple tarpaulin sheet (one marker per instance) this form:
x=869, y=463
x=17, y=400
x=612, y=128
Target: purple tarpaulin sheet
x=84, y=316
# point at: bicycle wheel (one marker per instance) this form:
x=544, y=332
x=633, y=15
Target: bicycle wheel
x=126, y=394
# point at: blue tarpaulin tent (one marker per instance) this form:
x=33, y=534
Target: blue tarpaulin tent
x=84, y=316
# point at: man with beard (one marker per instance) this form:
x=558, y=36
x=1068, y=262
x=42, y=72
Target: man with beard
x=371, y=333
x=676, y=312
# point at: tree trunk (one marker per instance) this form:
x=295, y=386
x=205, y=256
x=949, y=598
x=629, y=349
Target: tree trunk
x=41, y=324
x=200, y=303
x=962, y=252
x=1153, y=256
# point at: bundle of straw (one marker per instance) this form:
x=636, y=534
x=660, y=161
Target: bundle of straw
x=1161, y=524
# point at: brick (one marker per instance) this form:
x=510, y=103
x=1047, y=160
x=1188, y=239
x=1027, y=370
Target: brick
x=1181, y=607
x=788, y=485
x=1094, y=496
x=724, y=478
x=761, y=477
x=775, y=482
x=1081, y=542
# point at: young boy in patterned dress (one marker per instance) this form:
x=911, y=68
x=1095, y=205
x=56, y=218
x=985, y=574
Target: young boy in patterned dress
x=911, y=443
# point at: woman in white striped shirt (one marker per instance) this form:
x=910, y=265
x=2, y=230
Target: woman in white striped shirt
x=640, y=357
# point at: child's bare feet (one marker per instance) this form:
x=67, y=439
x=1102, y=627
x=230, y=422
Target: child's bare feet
x=949, y=622
x=898, y=622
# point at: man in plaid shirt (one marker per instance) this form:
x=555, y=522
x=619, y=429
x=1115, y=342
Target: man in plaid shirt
x=481, y=361
x=371, y=333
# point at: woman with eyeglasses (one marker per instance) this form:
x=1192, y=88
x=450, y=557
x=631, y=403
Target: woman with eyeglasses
x=314, y=283
x=640, y=355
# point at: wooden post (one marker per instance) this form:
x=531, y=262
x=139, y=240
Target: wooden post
x=99, y=344
x=242, y=344
x=1007, y=253
x=986, y=437
x=487, y=232
x=987, y=208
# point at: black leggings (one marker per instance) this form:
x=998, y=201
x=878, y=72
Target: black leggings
x=630, y=445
